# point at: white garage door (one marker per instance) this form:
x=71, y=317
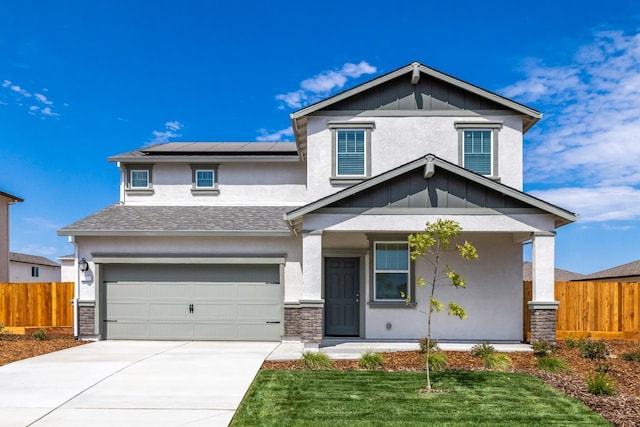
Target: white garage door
x=220, y=302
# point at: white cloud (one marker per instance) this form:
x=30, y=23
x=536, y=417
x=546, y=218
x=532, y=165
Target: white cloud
x=280, y=135
x=20, y=90
x=596, y=204
x=41, y=223
x=20, y=93
x=170, y=131
x=43, y=99
x=46, y=111
x=589, y=140
x=319, y=86
x=42, y=250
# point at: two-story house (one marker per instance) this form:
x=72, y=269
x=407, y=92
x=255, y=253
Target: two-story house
x=306, y=240
x=6, y=200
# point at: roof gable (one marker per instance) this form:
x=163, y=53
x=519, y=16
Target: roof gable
x=414, y=87
x=429, y=182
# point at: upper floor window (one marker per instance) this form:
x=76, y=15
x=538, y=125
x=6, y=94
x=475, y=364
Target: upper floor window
x=139, y=179
x=351, y=151
x=35, y=271
x=204, y=179
x=477, y=151
x=478, y=147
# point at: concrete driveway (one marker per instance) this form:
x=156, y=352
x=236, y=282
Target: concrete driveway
x=131, y=383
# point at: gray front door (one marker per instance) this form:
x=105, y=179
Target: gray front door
x=342, y=284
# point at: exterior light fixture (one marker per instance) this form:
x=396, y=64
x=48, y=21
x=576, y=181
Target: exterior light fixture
x=83, y=265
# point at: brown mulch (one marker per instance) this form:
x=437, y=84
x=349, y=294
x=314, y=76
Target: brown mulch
x=622, y=409
x=15, y=347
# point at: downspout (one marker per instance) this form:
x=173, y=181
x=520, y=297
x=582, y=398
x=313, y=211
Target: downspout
x=76, y=288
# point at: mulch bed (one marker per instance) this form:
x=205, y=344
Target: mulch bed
x=15, y=347
x=622, y=409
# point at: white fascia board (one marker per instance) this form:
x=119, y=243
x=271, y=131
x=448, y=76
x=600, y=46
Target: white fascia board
x=189, y=233
x=206, y=159
x=186, y=259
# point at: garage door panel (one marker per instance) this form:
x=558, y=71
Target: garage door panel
x=129, y=310
x=129, y=290
x=219, y=309
x=259, y=290
x=170, y=310
x=170, y=330
x=216, y=290
x=270, y=312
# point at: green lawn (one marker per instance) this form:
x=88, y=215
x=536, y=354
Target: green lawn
x=338, y=398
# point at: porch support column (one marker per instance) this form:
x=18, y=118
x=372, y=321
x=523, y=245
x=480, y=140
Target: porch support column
x=543, y=307
x=311, y=313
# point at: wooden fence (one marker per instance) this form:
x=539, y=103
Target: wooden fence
x=608, y=310
x=36, y=304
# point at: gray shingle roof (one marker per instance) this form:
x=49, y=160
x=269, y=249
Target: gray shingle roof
x=624, y=270
x=181, y=220
x=560, y=275
x=31, y=259
x=188, y=151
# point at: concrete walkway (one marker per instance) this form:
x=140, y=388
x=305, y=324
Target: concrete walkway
x=131, y=383
x=341, y=349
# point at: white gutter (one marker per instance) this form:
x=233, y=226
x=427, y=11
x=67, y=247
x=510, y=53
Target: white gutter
x=76, y=288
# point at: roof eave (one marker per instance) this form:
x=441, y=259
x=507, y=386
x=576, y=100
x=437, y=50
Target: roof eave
x=175, y=233
x=563, y=217
x=206, y=159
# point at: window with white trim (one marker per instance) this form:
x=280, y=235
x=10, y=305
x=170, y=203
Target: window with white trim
x=139, y=178
x=350, y=152
x=391, y=271
x=35, y=271
x=477, y=151
x=478, y=147
x=204, y=179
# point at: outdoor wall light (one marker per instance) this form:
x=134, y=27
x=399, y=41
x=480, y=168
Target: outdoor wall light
x=83, y=265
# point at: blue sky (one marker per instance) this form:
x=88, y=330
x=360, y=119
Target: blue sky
x=80, y=81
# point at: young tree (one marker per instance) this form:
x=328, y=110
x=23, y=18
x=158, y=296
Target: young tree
x=431, y=245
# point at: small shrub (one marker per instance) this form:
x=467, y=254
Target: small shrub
x=40, y=335
x=3, y=330
x=551, y=364
x=433, y=344
x=633, y=356
x=601, y=385
x=497, y=361
x=603, y=368
x=316, y=361
x=371, y=360
x=437, y=361
x=573, y=342
x=482, y=350
x=594, y=349
x=542, y=348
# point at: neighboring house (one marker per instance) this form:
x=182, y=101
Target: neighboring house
x=559, y=274
x=629, y=272
x=25, y=268
x=68, y=270
x=6, y=200
x=307, y=240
